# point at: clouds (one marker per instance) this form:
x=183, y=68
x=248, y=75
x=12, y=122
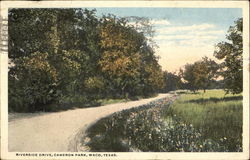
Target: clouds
x=195, y=35
x=175, y=29
x=160, y=22
x=186, y=37
x=181, y=44
x=153, y=22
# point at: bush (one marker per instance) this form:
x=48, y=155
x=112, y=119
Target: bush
x=34, y=83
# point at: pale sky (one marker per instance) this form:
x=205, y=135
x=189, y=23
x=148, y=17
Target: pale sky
x=184, y=35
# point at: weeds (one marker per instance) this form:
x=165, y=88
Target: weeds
x=155, y=128
x=216, y=115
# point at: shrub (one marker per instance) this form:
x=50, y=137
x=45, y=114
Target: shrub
x=33, y=84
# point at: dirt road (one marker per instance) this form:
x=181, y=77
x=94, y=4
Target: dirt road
x=56, y=132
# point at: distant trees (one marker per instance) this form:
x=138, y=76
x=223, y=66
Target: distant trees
x=200, y=74
x=230, y=52
x=203, y=74
x=172, y=82
x=71, y=55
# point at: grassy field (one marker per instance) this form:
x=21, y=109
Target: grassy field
x=189, y=122
x=216, y=115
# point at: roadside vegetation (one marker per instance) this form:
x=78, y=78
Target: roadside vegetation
x=218, y=116
x=201, y=122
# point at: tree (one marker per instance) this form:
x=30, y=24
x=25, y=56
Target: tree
x=67, y=42
x=127, y=61
x=189, y=77
x=205, y=73
x=172, y=81
x=34, y=83
x=120, y=60
x=75, y=56
x=152, y=77
x=200, y=74
x=230, y=52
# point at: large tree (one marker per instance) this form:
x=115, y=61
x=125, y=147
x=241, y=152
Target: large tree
x=200, y=74
x=230, y=52
x=205, y=73
x=127, y=61
x=188, y=75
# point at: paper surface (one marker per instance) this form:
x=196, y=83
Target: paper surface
x=6, y=154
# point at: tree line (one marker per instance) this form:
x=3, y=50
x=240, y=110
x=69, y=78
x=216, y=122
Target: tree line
x=59, y=56
x=207, y=74
x=65, y=56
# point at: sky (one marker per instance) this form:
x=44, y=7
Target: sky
x=184, y=35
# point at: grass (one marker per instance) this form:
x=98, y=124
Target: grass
x=79, y=101
x=111, y=101
x=68, y=105
x=120, y=100
x=216, y=115
x=200, y=122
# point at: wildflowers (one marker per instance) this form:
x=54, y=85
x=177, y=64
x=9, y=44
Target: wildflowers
x=146, y=129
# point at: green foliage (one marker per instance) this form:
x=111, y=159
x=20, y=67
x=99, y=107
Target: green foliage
x=148, y=129
x=95, y=87
x=200, y=74
x=126, y=62
x=230, y=53
x=172, y=82
x=216, y=115
x=34, y=83
x=64, y=56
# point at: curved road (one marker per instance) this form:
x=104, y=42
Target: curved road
x=56, y=132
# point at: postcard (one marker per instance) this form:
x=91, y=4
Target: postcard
x=124, y=80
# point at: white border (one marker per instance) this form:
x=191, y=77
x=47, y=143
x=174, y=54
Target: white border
x=145, y=155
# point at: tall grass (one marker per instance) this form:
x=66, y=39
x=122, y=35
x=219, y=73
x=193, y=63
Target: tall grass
x=201, y=122
x=216, y=115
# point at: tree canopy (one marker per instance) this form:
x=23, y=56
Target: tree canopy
x=172, y=82
x=200, y=74
x=230, y=53
x=71, y=55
